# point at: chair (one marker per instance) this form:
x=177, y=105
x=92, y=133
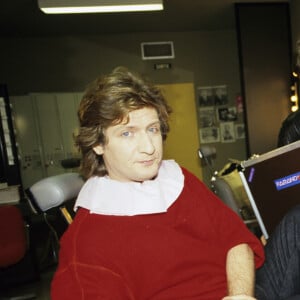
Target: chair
x=228, y=186
x=14, y=244
x=221, y=188
x=51, y=193
x=55, y=191
x=207, y=154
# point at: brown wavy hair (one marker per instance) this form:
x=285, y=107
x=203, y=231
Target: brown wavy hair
x=107, y=101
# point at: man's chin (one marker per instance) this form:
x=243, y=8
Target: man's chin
x=147, y=172
x=146, y=176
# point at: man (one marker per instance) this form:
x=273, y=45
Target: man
x=146, y=228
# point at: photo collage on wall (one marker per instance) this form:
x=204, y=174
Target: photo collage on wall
x=217, y=119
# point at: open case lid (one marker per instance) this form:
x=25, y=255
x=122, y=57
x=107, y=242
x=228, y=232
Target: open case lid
x=272, y=183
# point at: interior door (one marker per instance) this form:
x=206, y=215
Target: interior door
x=183, y=139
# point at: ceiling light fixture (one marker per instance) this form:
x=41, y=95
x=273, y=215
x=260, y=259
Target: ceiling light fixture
x=98, y=6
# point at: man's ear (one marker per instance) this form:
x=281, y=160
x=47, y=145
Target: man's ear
x=98, y=149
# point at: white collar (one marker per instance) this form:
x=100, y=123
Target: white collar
x=102, y=195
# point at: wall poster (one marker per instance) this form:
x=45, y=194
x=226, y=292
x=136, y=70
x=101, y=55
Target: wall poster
x=217, y=119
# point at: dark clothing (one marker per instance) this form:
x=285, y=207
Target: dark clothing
x=279, y=277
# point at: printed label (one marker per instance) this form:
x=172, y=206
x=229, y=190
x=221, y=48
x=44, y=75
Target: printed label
x=287, y=181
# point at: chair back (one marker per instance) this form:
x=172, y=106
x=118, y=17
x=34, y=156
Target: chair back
x=225, y=193
x=54, y=191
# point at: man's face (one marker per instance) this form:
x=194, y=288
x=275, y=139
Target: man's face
x=134, y=150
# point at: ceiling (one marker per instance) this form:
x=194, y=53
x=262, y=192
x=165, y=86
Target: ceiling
x=23, y=18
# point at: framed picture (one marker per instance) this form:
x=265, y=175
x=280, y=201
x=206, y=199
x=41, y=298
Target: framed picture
x=207, y=117
x=227, y=114
x=220, y=94
x=209, y=135
x=227, y=132
x=205, y=96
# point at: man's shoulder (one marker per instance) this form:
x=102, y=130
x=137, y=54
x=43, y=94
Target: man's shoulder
x=190, y=177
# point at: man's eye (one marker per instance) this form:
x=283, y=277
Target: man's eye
x=126, y=133
x=154, y=129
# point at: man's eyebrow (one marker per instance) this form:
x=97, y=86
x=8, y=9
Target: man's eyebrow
x=120, y=127
x=154, y=123
x=130, y=126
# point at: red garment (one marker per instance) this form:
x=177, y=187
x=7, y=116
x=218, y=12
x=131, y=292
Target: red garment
x=180, y=254
x=13, y=244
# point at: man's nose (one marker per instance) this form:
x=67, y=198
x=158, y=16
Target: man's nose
x=146, y=143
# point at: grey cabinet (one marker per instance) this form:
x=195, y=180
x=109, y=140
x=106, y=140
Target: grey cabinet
x=45, y=124
x=50, y=135
x=30, y=152
x=67, y=104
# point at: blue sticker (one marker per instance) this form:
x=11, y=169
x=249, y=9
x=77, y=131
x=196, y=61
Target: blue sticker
x=287, y=181
x=252, y=170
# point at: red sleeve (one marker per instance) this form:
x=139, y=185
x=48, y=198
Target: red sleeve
x=228, y=228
